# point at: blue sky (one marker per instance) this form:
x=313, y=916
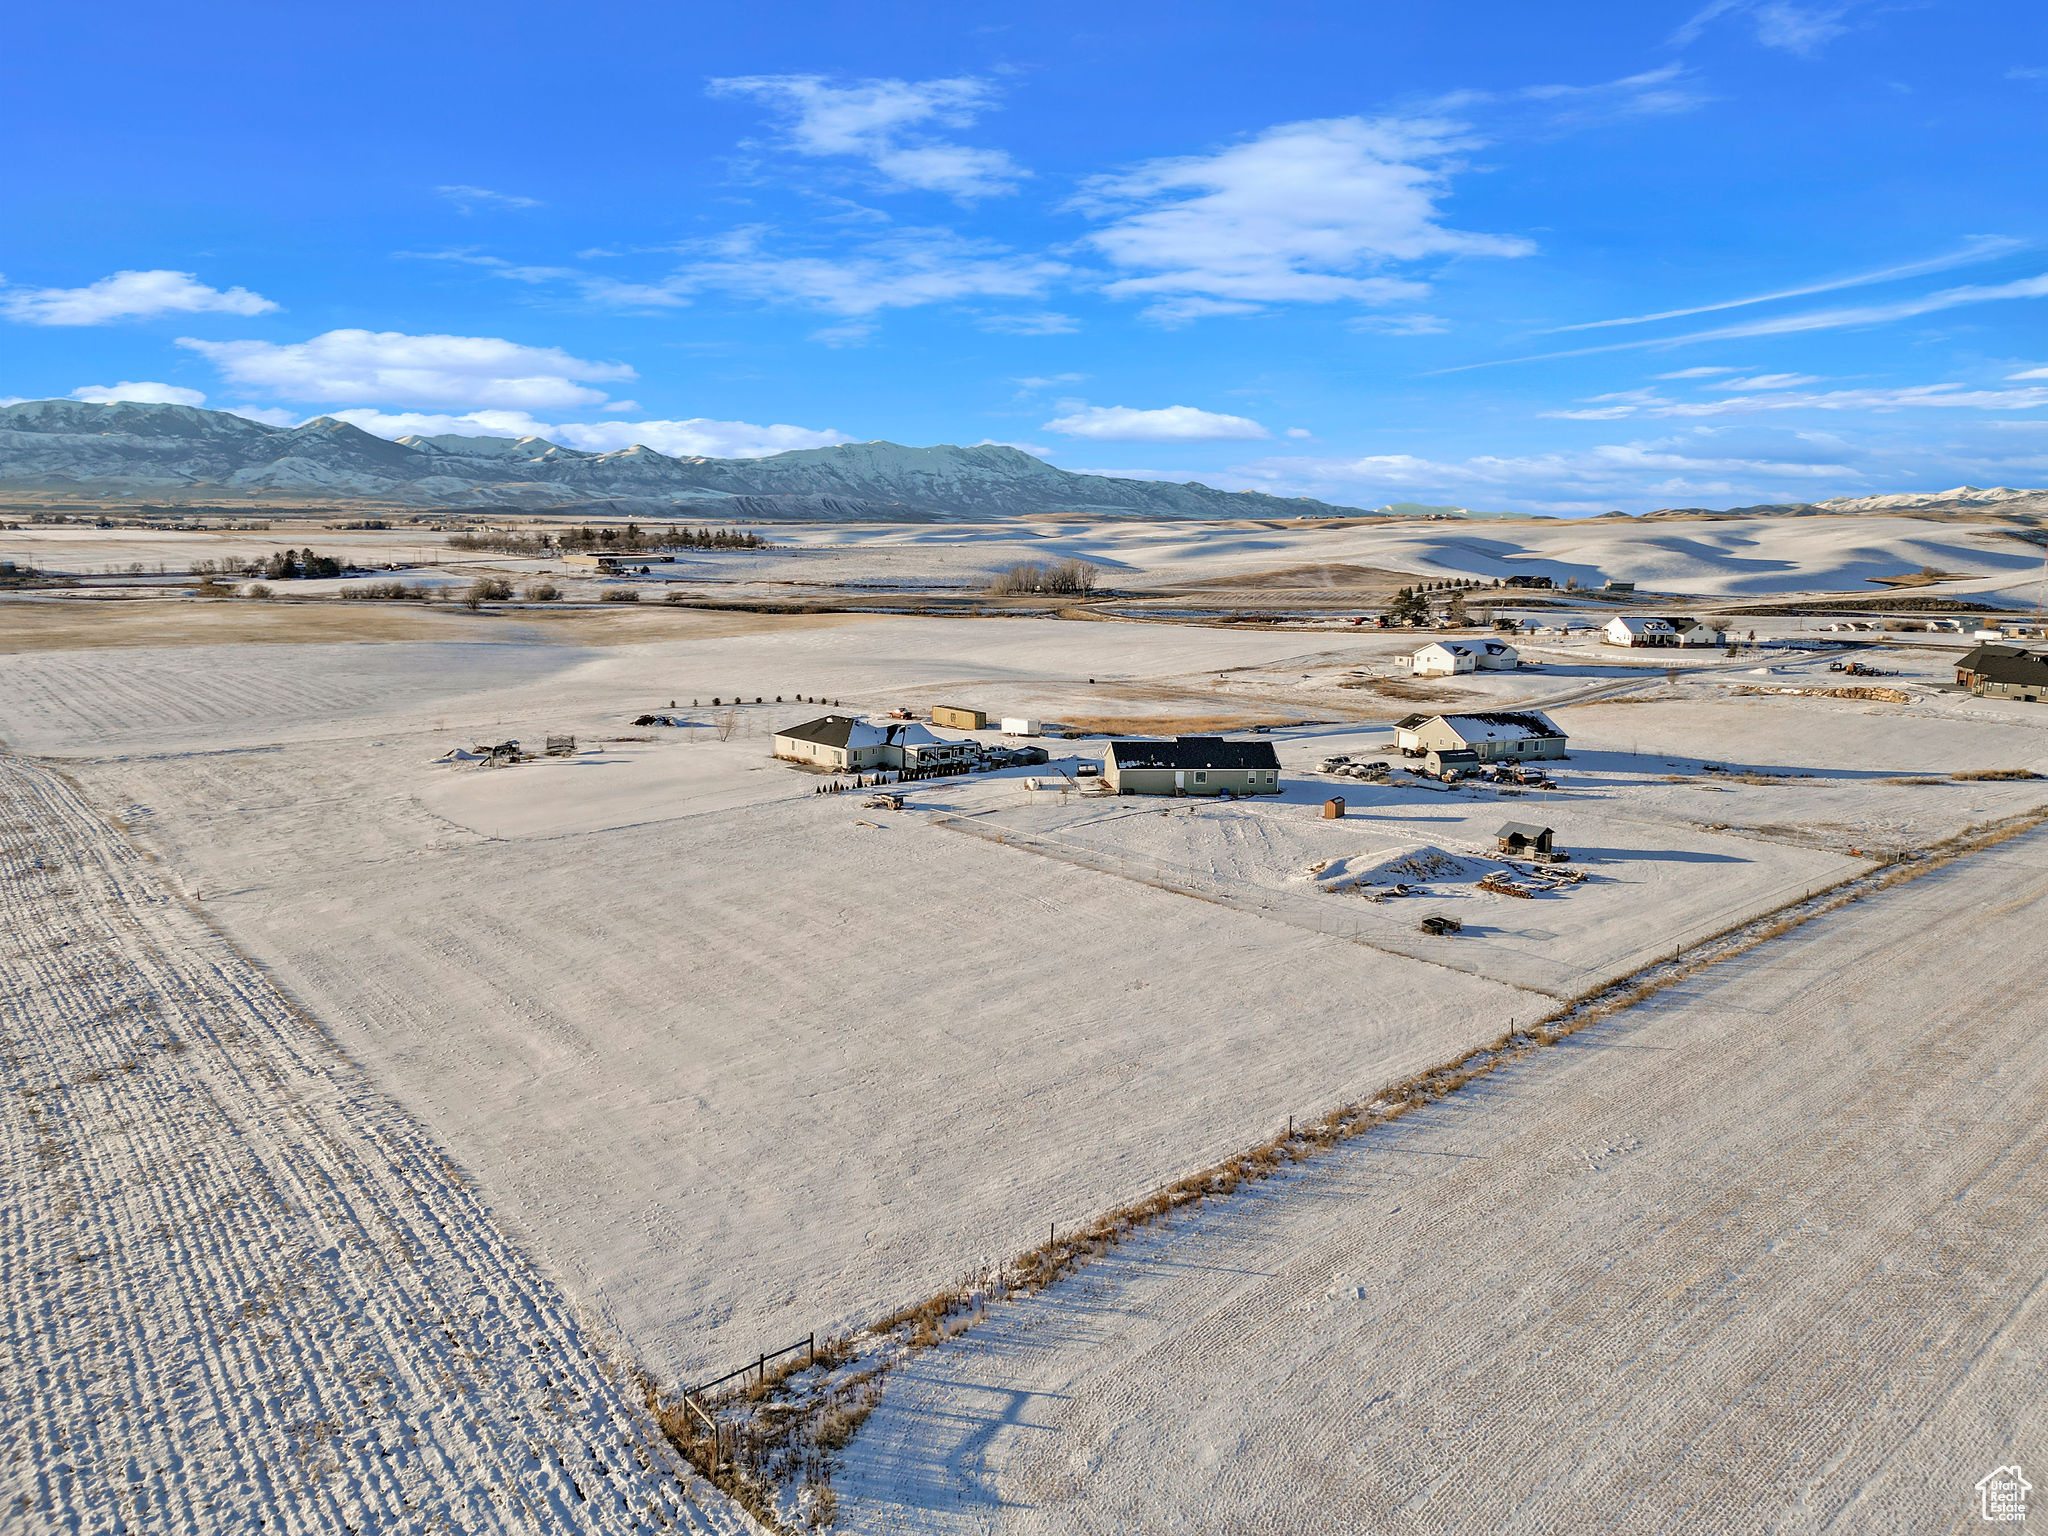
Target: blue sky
x=1545, y=257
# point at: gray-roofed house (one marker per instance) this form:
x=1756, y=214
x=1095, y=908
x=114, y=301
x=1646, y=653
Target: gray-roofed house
x=1514, y=735
x=1192, y=765
x=1524, y=837
x=848, y=744
x=2005, y=672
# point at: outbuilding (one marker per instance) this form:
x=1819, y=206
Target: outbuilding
x=1524, y=838
x=1515, y=735
x=1449, y=762
x=959, y=719
x=1192, y=765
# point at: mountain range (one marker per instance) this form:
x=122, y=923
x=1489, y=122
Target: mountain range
x=183, y=453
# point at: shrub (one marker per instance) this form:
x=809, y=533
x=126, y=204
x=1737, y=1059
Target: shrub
x=1066, y=578
x=542, y=592
x=257, y=590
x=621, y=595
x=486, y=589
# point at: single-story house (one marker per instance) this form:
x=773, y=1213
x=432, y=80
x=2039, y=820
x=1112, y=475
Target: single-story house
x=1192, y=765
x=1641, y=630
x=2005, y=672
x=1517, y=735
x=848, y=744
x=1443, y=658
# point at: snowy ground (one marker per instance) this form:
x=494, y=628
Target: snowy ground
x=242, y=1289
x=1748, y=557
x=733, y=1061
x=1759, y=1254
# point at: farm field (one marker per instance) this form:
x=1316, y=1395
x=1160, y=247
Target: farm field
x=1759, y=1253
x=243, y=1290
x=724, y=1061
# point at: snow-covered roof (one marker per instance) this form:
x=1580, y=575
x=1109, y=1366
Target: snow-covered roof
x=855, y=734
x=1445, y=645
x=1501, y=725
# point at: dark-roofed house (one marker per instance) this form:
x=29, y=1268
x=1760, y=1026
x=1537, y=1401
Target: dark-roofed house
x=849, y=744
x=1192, y=765
x=2005, y=672
x=1516, y=735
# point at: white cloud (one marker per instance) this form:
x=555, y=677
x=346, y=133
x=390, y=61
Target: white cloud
x=1028, y=385
x=1697, y=373
x=128, y=296
x=885, y=123
x=391, y=366
x=853, y=334
x=1652, y=93
x=1812, y=320
x=1044, y=322
x=139, y=393
x=1798, y=29
x=269, y=415
x=1767, y=381
x=1983, y=248
x=1779, y=395
x=2031, y=373
x=910, y=267
x=697, y=437
x=1302, y=432
x=1304, y=212
x=469, y=199
x=1169, y=424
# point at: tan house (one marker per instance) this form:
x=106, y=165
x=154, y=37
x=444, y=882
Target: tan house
x=848, y=744
x=1513, y=735
x=1192, y=765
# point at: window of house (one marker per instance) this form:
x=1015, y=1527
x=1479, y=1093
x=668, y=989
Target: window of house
x=1201, y=778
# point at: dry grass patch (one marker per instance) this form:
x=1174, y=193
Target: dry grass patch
x=1980, y=775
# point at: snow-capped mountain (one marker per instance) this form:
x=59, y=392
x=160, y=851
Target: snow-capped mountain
x=185, y=453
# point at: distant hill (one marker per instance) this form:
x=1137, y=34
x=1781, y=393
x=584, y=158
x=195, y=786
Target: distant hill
x=1963, y=498
x=181, y=453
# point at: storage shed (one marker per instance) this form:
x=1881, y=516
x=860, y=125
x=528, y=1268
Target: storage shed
x=1192, y=765
x=1524, y=838
x=959, y=719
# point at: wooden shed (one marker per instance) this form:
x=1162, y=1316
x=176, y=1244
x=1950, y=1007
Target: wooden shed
x=959, y=719
x=1524, y=838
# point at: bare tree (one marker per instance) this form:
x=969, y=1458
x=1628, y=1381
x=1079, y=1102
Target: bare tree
x=725, y=723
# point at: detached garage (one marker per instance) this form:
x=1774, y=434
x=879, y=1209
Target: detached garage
x=1192, y=765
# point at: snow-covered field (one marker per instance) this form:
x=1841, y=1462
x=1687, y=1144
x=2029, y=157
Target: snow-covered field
x=1744, y=557
x=242, y=1290
x=1760, y=1254
x=730, y=1061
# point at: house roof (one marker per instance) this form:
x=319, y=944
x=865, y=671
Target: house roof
x=2025, y=668
x=1195, y=752
x=1446, y=645
x=1409, y=722
x=854, y=734
x=1523, y=829
x=1501, y=725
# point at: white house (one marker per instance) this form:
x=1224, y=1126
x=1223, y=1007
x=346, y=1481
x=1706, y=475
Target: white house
x=1444, y=658
x=1640, y=630
x=1495, y=655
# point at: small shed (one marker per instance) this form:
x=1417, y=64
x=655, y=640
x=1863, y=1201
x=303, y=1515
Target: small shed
x=1333, y=808
x=1448, y=762
x=1524, y=838
x=959, y=719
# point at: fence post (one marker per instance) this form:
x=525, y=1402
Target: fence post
x=814, y=1349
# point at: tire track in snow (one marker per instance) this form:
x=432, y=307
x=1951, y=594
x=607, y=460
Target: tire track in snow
x=240, y=1288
